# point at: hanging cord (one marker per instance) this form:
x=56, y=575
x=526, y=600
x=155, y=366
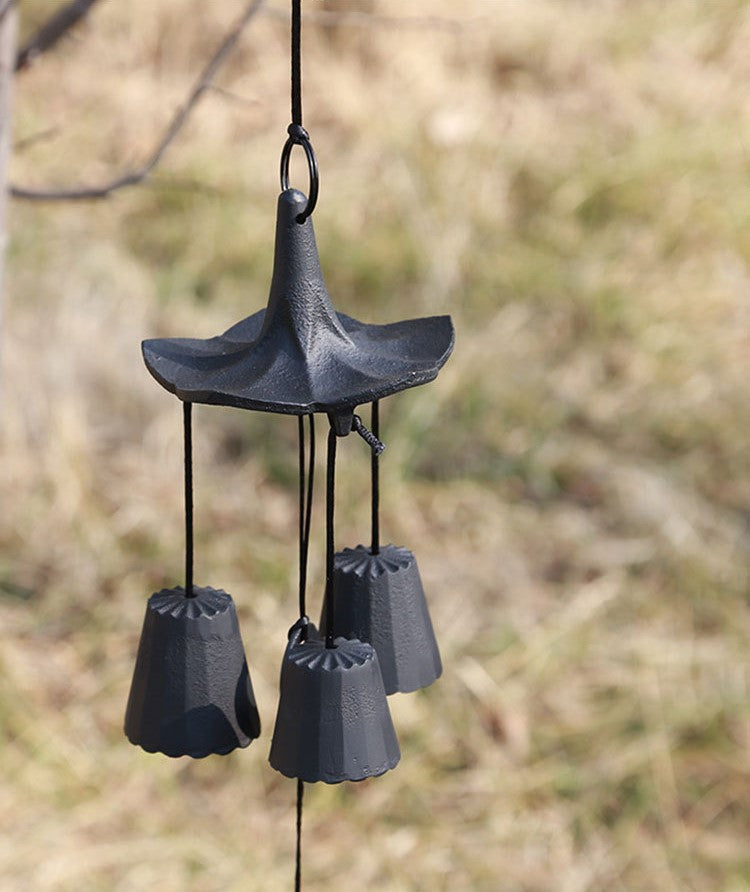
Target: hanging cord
x=330, y=553
x=298, y=136
x=305, y=515
x=372, y=438
x=187, y=424
x=375, y=477
x=298, y=868
x=297, y=62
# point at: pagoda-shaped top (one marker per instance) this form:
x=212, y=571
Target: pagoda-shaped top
x=299, y=355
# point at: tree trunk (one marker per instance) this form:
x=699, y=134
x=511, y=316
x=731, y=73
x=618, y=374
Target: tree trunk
x=8, y=31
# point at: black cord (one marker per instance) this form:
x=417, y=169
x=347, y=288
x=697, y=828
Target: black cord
x=298, y=136
x=305, y=516
x=310, y=481
x=298, y=869
x=375, y=474
x=372, y=438
x=297, y=62
x=302, y=492
x=305, y=492
x=305, y=512
x=330, y=474
x=188, y=447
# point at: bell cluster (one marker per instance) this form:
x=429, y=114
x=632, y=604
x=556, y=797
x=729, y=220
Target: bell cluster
x=191, y=693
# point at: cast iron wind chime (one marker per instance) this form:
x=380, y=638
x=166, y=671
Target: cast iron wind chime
x=191, y=692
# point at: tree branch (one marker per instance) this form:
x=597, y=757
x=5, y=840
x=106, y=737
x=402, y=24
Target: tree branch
x=180, y=117
x=5, y=5
x=33, y=138
x=51, y=31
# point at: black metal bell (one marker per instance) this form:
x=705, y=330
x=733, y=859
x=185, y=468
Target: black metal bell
x=379, y=598
x=333, y=723
x=191, y=693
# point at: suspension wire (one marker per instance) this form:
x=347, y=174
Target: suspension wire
x=305, y=512
x=375, y=475
x=297, y=62
x=298, y=866
x=302, y=489
x=298, y=136
x=372, y=438
x=330, y=474
x=187, y=424
x=305, y=492
x=305, y=517
x=310, y=481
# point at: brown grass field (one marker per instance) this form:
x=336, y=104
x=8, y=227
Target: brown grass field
x=570, y=179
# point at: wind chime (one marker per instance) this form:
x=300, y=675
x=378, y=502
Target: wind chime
x=191, y=692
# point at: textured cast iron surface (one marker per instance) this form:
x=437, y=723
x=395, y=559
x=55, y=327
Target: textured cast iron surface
x=379, y=599
x=299, y=355
x=191, y=693
x=333, y=722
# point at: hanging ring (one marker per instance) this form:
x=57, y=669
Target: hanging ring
x=298, y=136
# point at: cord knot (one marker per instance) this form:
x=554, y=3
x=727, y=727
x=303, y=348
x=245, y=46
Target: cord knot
x=300, y=626
x=298, y=133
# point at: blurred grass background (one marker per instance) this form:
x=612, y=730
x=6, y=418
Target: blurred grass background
x=569, y=180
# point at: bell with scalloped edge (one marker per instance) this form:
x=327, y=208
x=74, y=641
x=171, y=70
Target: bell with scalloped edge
x=379, y=599
x=333, y=723
x=191, y=693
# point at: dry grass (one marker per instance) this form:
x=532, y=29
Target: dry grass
x=569, y=180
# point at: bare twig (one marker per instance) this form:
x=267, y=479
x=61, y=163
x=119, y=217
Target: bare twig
x=51, y=31
x=201, y=85
x=5, y=5
x=232, y=97
x=33, y=138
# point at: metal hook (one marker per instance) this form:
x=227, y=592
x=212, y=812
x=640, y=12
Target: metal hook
x=298, y=136
x=377, y=446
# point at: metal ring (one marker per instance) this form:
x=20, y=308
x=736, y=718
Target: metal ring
x=299, y=138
